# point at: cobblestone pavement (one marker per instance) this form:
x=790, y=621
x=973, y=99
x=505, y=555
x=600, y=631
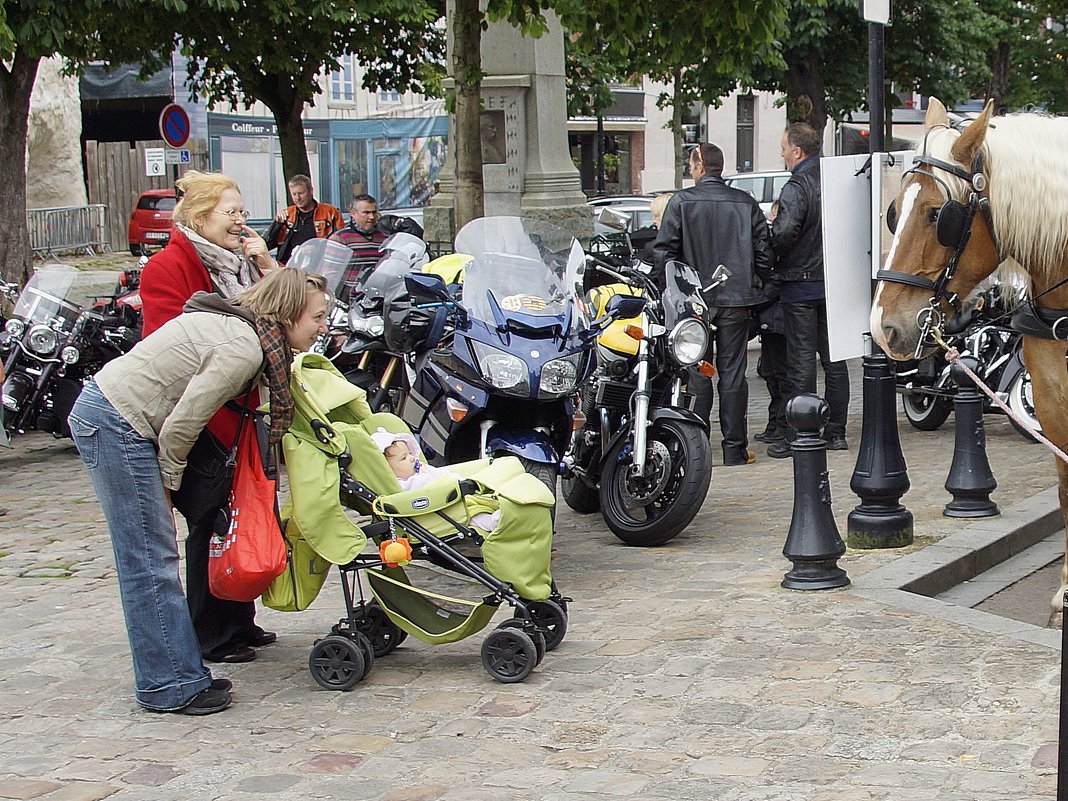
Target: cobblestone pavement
x=687, y=672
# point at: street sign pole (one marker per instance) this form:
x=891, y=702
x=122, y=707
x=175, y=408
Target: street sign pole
x=880, y=477
x=174, y=128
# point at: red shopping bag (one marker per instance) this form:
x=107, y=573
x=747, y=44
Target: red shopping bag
x=252, y=553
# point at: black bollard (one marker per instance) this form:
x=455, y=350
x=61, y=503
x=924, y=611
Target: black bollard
x=813, y=544
x=880, y=477
x=970, y=479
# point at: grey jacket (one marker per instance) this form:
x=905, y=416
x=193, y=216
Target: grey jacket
x=174, y=380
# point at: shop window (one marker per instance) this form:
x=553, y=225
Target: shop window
x=351, y=159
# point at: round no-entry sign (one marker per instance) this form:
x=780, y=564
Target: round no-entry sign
x=174, y=125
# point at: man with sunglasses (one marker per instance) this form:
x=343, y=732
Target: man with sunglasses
x=797, y=234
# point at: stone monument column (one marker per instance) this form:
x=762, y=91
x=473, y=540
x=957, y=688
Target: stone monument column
x=527, y=169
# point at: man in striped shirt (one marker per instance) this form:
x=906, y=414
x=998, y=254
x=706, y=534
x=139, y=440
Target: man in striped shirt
x=363, y=236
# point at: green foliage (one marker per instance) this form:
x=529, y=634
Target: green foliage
x=274, y=50
x=713, y=46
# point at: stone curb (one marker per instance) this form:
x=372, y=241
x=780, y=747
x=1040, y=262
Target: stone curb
x=913, y=581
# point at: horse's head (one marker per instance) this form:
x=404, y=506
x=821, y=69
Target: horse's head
x=943, y=245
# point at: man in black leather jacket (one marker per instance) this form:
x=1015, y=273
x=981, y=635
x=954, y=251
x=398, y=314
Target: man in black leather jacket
x=704, y=226
x=798, y=237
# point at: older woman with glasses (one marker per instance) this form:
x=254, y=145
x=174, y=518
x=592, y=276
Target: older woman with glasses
x=211, y=249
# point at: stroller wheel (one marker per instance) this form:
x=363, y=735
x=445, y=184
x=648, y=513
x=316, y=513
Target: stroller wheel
x=509, y=655
x=375, y=625
x=536, y=636
x=336, y=663
x=366, y=650
x=551, y=618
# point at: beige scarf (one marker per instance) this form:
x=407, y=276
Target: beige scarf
x=229, y=269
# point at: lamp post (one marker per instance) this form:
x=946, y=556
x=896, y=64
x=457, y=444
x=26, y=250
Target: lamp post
x=880, y=477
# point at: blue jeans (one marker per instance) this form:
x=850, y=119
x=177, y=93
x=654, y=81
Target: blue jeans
x=168, y=669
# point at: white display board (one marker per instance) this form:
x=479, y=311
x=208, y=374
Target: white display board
x=847, y=252
x=885, y=186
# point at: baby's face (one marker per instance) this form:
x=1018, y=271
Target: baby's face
x=401, y=460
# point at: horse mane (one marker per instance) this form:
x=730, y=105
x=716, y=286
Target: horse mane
x=1023, y=156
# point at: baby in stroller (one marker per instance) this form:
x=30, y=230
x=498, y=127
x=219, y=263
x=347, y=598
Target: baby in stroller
x=335, y=458
x=402, y=455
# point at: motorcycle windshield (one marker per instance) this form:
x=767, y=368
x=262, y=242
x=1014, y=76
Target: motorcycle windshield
x=56, y=290
x=521, y=268
x=324, y=257
x=682, y=293
x=402, y=254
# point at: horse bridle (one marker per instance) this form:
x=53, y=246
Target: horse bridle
x=953, y=227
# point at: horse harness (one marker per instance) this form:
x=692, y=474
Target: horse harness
x=953, y=228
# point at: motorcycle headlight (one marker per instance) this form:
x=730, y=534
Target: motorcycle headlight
x=15, y=327
x=687, y=342
x=501, y=369
x=42, y=340
x=70, y=355
x=559, y=376
x=372, y=326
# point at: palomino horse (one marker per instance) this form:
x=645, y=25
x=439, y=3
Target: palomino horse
x=995, y=193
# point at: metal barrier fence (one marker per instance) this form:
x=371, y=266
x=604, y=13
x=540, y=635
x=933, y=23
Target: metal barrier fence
x=68, y=229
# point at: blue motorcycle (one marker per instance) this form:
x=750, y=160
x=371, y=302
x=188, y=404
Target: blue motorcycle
x=503, y=354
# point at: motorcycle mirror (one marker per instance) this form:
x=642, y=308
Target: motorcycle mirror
x=624, y=306
x=426, y=286
x=719, y=276
x=616, y=220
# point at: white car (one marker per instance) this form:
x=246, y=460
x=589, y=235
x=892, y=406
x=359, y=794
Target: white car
x=763, y=186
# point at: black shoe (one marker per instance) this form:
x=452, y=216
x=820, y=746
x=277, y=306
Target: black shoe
x=206, y=702
x=222, y=684
x=780, y=450
x=261, y=638
x=243, y=653
x=768, y=436
x=837, y=444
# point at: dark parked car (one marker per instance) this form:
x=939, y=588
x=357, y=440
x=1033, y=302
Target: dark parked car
x=150, y=221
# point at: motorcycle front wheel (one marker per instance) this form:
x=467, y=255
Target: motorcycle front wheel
x=546, y=474
x=654, y=508
x=1022, y=403
x=926, y=412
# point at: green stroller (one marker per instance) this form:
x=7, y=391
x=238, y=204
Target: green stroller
x=334, y=463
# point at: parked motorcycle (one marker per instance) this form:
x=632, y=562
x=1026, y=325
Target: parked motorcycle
x=60, y=333
x=643, y=457
x=499, y=360
x=927, y=387
x=355, y=341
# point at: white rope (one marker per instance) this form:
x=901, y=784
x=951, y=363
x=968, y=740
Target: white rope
x=953, y=357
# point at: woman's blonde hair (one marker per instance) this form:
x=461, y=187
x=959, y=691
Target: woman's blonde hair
x=200, y=194
x=658, y=205
x=282, y=294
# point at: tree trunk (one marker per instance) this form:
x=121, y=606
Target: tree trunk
x=467, y=72
x=998, y=86
x=676, y=130
x=287, y=106
x=806, y=98
x=16, y=85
